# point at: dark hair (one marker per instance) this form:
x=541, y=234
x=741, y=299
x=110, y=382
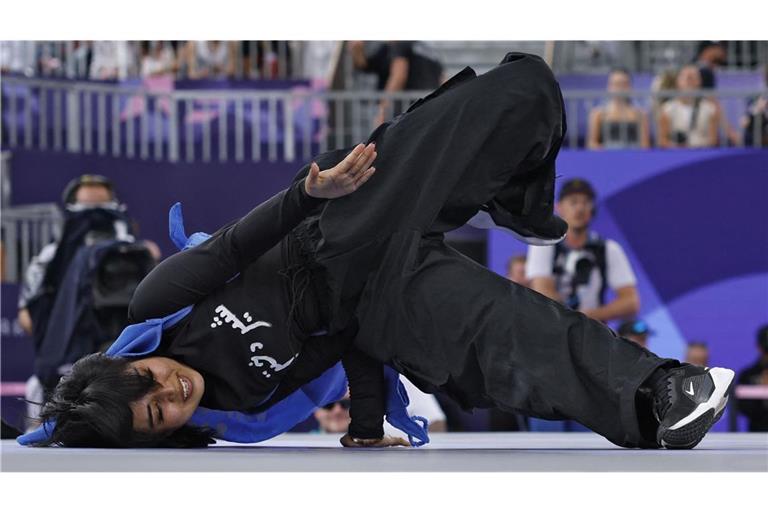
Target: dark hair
x=577, y=186
x=91, y=407
x=698, y=343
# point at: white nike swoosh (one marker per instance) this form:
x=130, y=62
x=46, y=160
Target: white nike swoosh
x=690, y=389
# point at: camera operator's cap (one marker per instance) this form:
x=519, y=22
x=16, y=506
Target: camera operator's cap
x=635, y=327
x=577, y=186
x=70, y=191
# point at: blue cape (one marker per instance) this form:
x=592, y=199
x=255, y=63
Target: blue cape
x=140, y=340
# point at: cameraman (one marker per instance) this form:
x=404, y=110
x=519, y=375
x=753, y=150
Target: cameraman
x=578, y=270
x=72, y=292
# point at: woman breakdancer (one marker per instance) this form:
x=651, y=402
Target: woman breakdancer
x=372, y=271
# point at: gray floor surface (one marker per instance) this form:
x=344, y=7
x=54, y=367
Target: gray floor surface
x=447, y=452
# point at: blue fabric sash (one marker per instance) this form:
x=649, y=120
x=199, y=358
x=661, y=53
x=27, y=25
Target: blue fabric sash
x=140, y=340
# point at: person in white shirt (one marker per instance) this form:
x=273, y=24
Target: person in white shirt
x=688, y=121
x=578, y=271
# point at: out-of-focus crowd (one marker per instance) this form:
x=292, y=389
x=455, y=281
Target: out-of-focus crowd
x=685, y=111
x=120, y=60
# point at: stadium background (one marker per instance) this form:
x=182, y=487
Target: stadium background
x=686, y=217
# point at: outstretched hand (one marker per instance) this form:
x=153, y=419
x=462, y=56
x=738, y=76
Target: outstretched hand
x=343, y=178
x=348, y=442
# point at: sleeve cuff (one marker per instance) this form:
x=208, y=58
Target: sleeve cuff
x=306, y=201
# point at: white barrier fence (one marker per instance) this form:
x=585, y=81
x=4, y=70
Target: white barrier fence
x=25, y=231
x=254, y=125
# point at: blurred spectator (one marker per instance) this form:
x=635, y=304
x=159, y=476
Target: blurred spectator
x=755, y=121
x=710, y=55
x=319, y=60
x=93, y=218
x=112, y=60
x=266, y=59
x=637, y=331
x=79, y=62
x=756, y=410
x=157, y=59
x=664, y=82
x=689, y=120
x=697, y=353
x=19, y=57
x=516, y=270
x=579, y=270
x=618, y=124
x=334, y=418
x=399, y=66
x=210, y=59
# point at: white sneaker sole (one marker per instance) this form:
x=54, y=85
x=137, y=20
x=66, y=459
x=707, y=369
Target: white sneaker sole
x=706, y=413
x=483, y=220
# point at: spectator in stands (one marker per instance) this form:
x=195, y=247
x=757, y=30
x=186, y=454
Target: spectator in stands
x=637, y=331
x=19, y=57
x=334, y=418
x=157, y=59
x=697, y=352
x=579, y=270
x=113, y=60
x=266, y=59
x=690, y=120
x=755, y=121
x=516, y=270
x=399, y=66
x=756, y=410
x=210, y=59
x=662, y=84
x=710, y=55
x=618, y=124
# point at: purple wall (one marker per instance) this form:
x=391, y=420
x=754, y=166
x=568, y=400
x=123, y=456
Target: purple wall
x=212, y=194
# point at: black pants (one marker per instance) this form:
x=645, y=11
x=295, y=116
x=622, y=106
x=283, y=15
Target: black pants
x=441, y=319
x=490, y=342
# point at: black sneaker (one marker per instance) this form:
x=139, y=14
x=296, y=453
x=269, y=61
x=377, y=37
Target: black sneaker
x=687, y=401
x=549, y=232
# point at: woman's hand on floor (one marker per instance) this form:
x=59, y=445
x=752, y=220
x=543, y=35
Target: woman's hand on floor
x=348, y=442
x=343, y=178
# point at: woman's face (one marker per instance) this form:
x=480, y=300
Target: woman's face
x=689, y=78
x=170, y=405
x=618, y=81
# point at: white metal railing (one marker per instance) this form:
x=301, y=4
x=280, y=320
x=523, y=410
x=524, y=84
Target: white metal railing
x=187, y=126
x=252, y=125
x=25, y=231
